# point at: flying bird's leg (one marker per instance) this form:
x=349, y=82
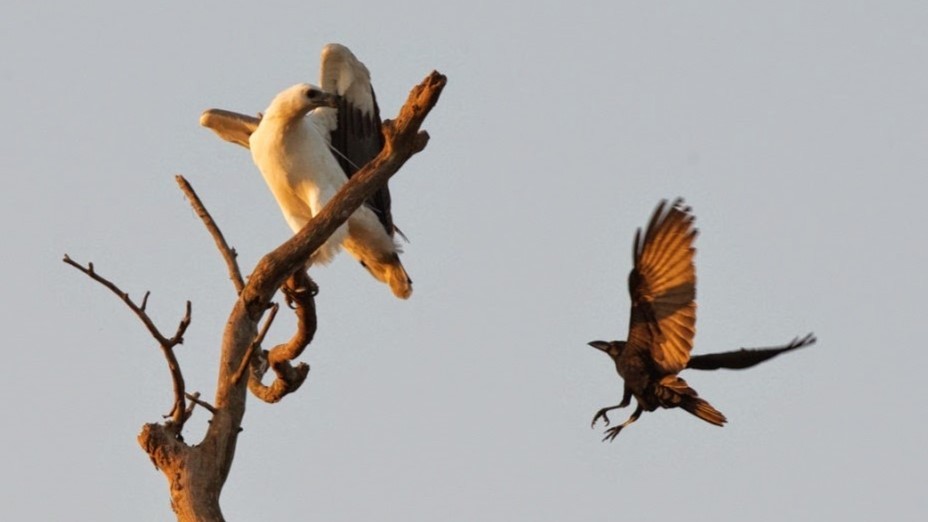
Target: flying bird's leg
x=602, y=413
x=626, y=400
x=613, y=432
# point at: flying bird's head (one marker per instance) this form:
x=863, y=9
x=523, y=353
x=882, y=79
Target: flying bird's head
x=611, y=348
x=296, y=101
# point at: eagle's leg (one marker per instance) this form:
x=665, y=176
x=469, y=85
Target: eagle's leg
x=306, y=283
x=296, y=284
x=613, y=432
x=626, y=400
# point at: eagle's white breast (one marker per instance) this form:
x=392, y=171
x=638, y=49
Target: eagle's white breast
x=296, y=164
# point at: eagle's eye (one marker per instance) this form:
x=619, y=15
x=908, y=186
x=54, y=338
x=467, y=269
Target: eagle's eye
x=312, y=93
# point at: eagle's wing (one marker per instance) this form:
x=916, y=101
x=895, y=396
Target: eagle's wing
x=745, y=357
x=662, y=285
x=230, y=126
x=357, y=137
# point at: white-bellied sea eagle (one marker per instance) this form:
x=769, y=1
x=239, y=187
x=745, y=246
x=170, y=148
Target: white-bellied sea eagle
x=292, y=145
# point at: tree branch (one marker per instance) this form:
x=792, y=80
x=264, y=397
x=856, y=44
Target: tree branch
x=301, y=291
x=256, y=345
x=227, y=252
x=178, y=411
x=195, y=401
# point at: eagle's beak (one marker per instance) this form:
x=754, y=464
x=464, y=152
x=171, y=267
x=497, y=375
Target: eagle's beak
x=328, y=100
x=600, y=345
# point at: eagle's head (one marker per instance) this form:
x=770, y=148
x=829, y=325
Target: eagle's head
x=296, y=101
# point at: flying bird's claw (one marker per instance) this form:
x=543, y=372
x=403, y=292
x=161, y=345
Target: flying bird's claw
x=600, y=413
x=612, y=433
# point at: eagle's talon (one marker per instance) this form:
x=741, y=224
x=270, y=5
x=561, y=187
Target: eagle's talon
x=288, y=296
x=297, y=287
x=311, y=287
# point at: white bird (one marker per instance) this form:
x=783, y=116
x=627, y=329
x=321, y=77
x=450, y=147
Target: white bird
x=292, y=147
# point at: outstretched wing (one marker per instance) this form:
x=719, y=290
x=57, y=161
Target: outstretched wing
x=357, y=137
x=230, y=126
x=662, y=285
x=745, y=357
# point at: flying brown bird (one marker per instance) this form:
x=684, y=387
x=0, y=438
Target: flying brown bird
x=662, y=285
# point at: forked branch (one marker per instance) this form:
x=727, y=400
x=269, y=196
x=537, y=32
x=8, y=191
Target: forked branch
x=256, y=345
x=178, y=412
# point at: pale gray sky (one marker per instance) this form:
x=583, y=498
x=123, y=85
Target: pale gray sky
x=797, y=132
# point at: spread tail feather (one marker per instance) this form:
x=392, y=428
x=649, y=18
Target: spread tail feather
x=673, y=392
x=703, y=410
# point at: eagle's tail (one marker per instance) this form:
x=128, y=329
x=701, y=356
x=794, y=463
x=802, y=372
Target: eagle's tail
x=391, y=271
x=369, y=243
x=398, y=279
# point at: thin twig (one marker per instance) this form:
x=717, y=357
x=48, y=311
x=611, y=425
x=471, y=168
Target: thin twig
x=177, y=378
x=190, y=407
x=195, y=400
x=122, y=295
x=255, y=344
x=228, y=253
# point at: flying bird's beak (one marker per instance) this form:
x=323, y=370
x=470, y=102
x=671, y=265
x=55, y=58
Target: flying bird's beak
x=600, y=345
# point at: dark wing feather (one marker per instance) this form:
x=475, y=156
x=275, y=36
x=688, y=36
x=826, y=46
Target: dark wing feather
x=357, y=138
x=745, y=357
x=662, y=286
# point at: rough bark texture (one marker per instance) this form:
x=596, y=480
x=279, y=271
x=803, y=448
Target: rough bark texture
x=196, y=473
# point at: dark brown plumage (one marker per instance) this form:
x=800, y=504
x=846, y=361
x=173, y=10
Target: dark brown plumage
x=662, y=285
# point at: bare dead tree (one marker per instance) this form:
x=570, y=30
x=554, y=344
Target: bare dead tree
x=196, y=473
